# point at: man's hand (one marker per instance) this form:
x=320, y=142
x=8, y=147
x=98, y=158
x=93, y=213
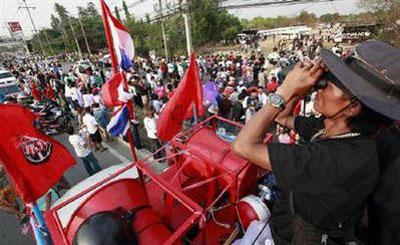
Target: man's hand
x=302, y=78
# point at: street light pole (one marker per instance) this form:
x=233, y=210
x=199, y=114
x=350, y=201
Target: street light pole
x=163, y=30
x=48, y=42
x=84, y=35
x=186, y=18
x=76, y=40
x=64, y=35
x=33, y=24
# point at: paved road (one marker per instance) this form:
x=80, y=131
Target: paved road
x=118, y=153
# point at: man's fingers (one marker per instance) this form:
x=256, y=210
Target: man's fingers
x=318, y=74
x=299, y=65
x=317, y=66
x=308, y=66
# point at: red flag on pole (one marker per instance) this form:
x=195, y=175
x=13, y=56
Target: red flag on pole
x=35, y=91
x=189, y=91
x=33, y=161
x=109, y=91
x=48, y=92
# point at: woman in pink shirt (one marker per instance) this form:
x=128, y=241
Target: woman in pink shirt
x=160, y=91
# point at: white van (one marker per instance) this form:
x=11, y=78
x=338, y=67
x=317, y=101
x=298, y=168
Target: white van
x=8, y=84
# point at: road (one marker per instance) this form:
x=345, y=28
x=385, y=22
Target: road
x=117, y=153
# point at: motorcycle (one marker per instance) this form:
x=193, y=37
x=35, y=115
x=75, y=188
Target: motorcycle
x=52, y=118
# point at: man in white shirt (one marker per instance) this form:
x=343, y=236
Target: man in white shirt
x=68, y=93
x=74, y=96
x=89, y=121
x=88, y=99
x=150, y=124
x=83, y=152
x=262, y=97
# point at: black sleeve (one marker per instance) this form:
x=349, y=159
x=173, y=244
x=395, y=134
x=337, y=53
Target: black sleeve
x=308, y=126
x=305, y=168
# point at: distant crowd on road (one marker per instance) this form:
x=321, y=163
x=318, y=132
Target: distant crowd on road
x=236, y=85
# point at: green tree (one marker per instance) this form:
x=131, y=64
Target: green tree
x=330, y=18
x=91, y=10
x=116, y=10
x=128, y=16
x=61, y=11
x=306, y=18
x=386, y=13
x=209, y=22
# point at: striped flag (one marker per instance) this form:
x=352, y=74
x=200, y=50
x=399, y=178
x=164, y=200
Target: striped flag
x=119, y=123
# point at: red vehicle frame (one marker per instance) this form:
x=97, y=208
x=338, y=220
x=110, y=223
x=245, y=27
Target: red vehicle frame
x=197, y=193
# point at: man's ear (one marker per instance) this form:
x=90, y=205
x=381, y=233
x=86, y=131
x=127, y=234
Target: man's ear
x=354, y=109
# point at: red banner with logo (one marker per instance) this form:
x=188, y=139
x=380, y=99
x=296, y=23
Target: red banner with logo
x=14, y=26
x=33, y=161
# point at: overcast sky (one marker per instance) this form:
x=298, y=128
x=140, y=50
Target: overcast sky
x=44, y=8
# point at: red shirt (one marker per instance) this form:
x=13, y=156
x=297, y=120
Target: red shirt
x=272, y=87
x=297, y=109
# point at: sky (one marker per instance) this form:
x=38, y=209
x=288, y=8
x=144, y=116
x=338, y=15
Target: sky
x=44, y=8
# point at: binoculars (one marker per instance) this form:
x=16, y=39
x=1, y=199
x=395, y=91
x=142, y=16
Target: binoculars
x=321, y=84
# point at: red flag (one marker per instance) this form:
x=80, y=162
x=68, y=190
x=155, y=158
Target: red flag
x=48, y=92
x=33, y=161
x=35, y=91
x=109, y=91
x=188, y=92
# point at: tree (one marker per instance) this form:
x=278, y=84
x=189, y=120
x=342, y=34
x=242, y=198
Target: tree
x=116, y=10
x=128, y=16
x=91, y=10
x=61, y=12
x=330, y=18
x=209, y=22
x=387, y=13
x=306, y=18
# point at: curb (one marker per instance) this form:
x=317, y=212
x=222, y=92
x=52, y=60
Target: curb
x=142, y=153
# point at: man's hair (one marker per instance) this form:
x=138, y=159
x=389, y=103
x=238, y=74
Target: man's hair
x=368, y=121
x=70, y=130
x=87, y=110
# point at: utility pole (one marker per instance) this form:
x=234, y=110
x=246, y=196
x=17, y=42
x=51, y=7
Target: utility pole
x=48, y=42
x=186, y=18
x=84, y=35
x=64, y=35
x=33, y=24
x=163, y=29
x=76, y=40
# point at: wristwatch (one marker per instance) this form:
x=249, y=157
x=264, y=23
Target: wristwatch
x=277, y=101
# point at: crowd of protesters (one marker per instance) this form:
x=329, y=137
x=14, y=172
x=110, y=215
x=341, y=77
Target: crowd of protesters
x=236, y=85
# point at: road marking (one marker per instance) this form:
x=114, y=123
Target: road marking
x=117, y=154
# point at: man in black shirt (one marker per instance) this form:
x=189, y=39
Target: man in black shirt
x=332, y=173
x=384, y=218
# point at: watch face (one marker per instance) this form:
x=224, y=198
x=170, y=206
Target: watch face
x=275, y=99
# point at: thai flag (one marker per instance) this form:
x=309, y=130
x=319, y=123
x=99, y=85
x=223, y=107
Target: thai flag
x=119, y=123
x=123, y=43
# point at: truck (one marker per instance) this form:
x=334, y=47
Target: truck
x=8, y=84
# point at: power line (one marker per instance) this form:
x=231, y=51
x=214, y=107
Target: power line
x=115, y=2
x=270, y=3
x=134, y=4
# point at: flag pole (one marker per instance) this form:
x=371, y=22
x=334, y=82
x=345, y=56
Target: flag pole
x=110, y=41
x=196, y=121
x=115, y=67
x=41, y=232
